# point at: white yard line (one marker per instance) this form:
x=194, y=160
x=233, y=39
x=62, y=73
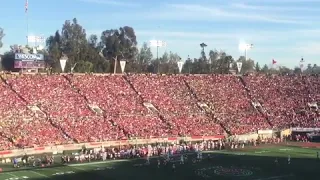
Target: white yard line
x=54, y=168
x=81, y=169
x=95, y=165
x=12, y=175
x=39, y=174
x=102, y=175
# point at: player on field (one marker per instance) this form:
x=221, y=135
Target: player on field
x=289, y=159
x=198, y=155
x=194, y=160
x=148, y=160
x=167, y=156
x=186, y=157
x=181, y=159
x=165, y=161
x=15, y=163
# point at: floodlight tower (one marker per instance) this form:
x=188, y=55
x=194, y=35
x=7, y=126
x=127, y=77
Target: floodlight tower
x=246, y=48
x=158, y=43
x=38, y=43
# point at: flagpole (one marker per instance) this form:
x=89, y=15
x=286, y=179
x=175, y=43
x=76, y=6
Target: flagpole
x=27, y=28
x=27, y=19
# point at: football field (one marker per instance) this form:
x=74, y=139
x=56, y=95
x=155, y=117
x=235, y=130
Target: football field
x=256, y=163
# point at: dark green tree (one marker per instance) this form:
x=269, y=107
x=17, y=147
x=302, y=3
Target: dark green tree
x=285, y=70
x=119, y=44
x=144, y=58
x=55, y=51
x=214, y=56
x=1, y=36
x=7, y=61
x=187, y=66
x=73, y=43
x=223, y=63
x=97, y=63
x=257, y=67
x=265, y=69
x=297, y=70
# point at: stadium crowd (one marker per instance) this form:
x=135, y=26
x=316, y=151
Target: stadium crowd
x=231, y=104
x=58, y=109
x=287, y=100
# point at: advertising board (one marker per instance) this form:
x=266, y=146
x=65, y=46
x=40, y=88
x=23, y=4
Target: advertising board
x=28, y=57
x=28, y=64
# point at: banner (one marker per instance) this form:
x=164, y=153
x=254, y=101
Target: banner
x=122, y=65
x=28, y=57
x=305, y=129
x=29, y=64
x=180, y=64
x=285, y=132
x=267, y=131
x=34, y=51
x=313, y=104
x=63, y=64
x=239, y=66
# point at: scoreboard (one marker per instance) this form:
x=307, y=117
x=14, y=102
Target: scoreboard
x=29, y=64
x=29, y=61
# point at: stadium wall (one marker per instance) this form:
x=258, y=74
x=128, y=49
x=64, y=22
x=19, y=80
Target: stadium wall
x=268, y=133
x=60, y=148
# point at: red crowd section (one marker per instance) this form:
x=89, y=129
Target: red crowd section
x=39, y=110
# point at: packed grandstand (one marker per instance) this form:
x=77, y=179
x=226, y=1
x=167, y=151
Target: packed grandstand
x=42, y=110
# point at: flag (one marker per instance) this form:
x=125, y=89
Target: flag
x=26, y=6
x=274, y=61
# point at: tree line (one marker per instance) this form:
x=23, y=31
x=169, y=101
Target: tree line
x=93, y=54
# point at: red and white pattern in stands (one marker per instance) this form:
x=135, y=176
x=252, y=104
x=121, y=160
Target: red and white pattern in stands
x=227, y=96
x=68, y=118
x=285, y=99
x=175, y=102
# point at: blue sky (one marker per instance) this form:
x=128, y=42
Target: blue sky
x=284, y=30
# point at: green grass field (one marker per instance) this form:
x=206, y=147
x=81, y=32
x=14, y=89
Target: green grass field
x=249, y=163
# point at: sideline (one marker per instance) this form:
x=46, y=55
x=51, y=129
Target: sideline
x=99, y=162
x=274, y=177
x=126, y=160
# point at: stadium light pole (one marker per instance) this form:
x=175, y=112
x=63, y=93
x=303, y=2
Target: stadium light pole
x=158, y=58
x=157, y=44
x=247, y=47
x=189, y=63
